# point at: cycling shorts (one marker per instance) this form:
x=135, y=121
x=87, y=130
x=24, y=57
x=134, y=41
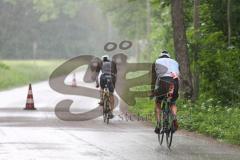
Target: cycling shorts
x=162, y=89
x=107, y=80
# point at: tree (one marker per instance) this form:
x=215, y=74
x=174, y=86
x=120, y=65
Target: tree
x=196, y=23
x=180, y=45
x=50, y=29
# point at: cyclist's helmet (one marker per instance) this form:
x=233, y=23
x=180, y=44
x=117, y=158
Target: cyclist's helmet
x=164, y=54
x=105, y=58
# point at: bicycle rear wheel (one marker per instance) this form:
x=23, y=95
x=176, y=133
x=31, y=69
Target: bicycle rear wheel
x=169, y=137
x=169, y=134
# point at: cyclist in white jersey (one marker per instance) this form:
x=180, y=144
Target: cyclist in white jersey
x=164, y=72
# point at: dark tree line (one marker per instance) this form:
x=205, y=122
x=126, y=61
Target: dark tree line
x=31, y=30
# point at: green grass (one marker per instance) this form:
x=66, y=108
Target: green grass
x=206, y=117
x=212, y=119
x=22, y=72
x=144, y=107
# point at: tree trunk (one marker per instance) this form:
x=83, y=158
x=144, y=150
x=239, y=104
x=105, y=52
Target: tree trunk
x=229, y=21
x=180, y=45
x=196, y=21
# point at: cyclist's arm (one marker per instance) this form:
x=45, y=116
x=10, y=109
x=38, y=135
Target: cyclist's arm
x=114, y=68
x=99, y=68
x=154, y=78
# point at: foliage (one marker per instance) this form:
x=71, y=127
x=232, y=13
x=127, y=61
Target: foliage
x=50, y=29
x=161, y=27
x=211, y=118
x=4, y=66
x=51, y=9
x=144, y=107
x=129, y=16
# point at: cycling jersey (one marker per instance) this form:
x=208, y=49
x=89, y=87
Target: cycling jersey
x=166, y=67
x=107, y=70
x=106, y=67
x=163, y=67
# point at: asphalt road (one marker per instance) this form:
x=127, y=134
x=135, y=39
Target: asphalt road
x=39, y=134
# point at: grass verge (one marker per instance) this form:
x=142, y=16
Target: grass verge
x=206, y=117
x=22, y=72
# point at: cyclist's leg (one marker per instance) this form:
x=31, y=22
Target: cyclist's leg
x=111, y=101
x=174, y=112
x=111, y=98
x=158, y=111
x=158, y=115
x=101, y=97
x=174, y=109
x=173, y=104
x=111, y=89
x=174, y=97
x=102, y=84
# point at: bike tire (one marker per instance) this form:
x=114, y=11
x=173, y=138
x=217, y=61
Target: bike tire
x=160, y=135
x=160, y=138
x=169, y=132
x=169, y=137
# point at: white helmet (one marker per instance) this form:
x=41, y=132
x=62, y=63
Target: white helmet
x=105, y=57
x=164, y=53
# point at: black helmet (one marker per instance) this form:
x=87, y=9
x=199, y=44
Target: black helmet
x=164, y=53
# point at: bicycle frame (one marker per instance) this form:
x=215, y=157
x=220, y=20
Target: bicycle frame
x=166, y=123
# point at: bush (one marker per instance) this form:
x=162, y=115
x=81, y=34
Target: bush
x=211, y=119
x=4, y=66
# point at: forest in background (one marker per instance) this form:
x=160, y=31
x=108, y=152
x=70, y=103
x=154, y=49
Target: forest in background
x=42, y=29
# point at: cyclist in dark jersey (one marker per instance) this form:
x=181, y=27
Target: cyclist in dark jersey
x=108, y=71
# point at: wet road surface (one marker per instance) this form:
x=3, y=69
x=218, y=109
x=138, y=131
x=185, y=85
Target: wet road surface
x=39, y=134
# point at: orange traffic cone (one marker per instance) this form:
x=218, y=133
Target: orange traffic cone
x=74, y=82
x=30, y=102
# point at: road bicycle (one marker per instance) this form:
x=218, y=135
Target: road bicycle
x=166, y=125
